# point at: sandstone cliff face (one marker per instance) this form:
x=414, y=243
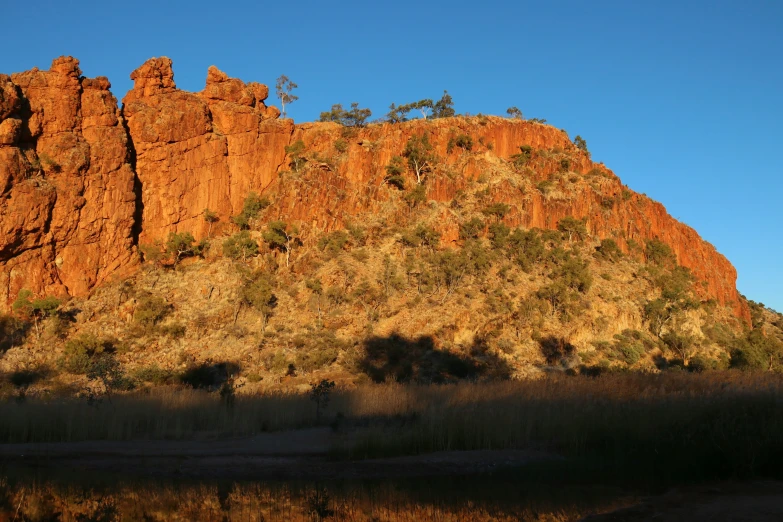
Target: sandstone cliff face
x=199, y=150
x=84, y=183
x=67, y=187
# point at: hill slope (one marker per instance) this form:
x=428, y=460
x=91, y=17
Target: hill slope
x=513, y=239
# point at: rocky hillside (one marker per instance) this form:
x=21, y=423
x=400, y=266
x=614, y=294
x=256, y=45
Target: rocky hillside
x=330, y=225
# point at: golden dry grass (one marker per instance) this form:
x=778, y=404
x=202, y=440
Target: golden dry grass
x=722, y=422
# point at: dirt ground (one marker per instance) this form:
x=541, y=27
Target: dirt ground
x=723, y=502
x=298, y=454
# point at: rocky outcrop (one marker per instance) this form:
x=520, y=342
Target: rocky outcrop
x=83, y=183
x=66, y=183
x=199, y=150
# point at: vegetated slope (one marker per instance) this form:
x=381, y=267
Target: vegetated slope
x=289, y=249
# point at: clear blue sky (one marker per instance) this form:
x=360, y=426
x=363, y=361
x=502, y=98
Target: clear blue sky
x=682, y=99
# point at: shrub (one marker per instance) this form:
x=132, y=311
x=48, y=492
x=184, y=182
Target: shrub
x=257, y=292
x=499, y=234
x=471, y=229
x=464, y=142
x=526, y=247
x=420, y=156
x=574, y=273
x=150, y=310
x=334, y=242
x=252, y=206
x=659, y=253
x=394, y=172
x=565, y=164
x=609, y=250
x=581, y=144
x=180, y=245
x=240, y=246
x=573, y=227
x=546, y=186
x=522, y=157
x=497, y=211
x=514, y=112
x=355, y=117
x=416, y=196
x=82, y=351
x=295, y=152
x=340, y=145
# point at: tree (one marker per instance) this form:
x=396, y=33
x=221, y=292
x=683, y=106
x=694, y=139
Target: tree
x=36, y=309
x=320, y=394
x=296, y=151
x=107, y=370
x=283, y=87
x=443, y=108
x=471, y=229
x=421, y=158
x=153, y=252
x=180, y=245
x=211, y=218
x=355, y=117
x=514, y=112
x=573, y=227
x=521, y=158
x=394, y=173
x=659, y=253
x=581, y=144
x=558, y=296
x=281, y=237
x=683, y=345
x=240, y=246
x=396, y=114
x=251, y=208
x=416, y=196
x=258, y=293
x=574, y=273
x=497, y=211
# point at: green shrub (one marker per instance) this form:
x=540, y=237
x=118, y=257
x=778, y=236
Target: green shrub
x=251, y=208
x=609, y=250
x=464, y=142
x=340, y=145
x=334, y=242
x=471, y=229
x=150, y=310
x=82, y=351
x=240, y=246
x=659, y=253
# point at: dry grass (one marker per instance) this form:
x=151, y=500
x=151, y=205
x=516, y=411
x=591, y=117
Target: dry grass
x=288, y=502
x=721, y=423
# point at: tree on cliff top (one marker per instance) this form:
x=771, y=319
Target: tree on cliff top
x=355, y=117
x=283, y=87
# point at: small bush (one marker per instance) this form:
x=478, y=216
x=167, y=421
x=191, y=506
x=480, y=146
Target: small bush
x=150, y=310
x=240, y=246
x=82, y=351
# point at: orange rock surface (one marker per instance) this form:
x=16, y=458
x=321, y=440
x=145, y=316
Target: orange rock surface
x=84, y=183
x=67, y=184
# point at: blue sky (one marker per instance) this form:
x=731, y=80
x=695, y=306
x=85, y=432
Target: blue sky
x=683, y=100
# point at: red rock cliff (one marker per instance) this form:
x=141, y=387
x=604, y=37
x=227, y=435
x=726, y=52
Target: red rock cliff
x=67, y=186
x=80, y=191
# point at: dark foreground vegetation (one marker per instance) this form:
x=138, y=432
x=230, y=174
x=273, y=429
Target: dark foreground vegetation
x=673, y=425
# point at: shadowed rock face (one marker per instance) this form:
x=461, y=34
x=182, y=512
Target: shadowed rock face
x=84, y=182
